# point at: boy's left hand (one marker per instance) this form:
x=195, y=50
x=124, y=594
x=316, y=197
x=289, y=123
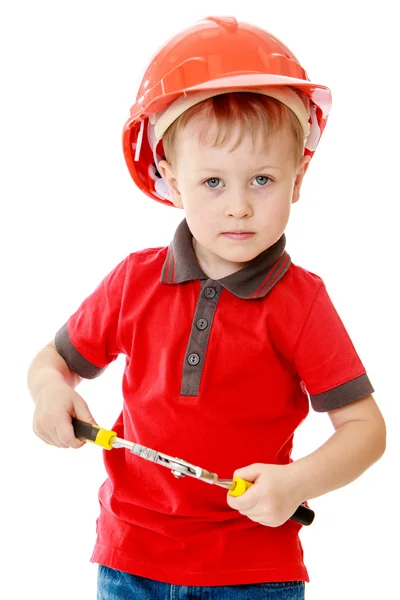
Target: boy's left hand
x=273, y=498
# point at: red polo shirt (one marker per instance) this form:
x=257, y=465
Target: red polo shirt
x=219, y=373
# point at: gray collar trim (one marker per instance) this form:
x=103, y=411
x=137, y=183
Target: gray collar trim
x=253, y=281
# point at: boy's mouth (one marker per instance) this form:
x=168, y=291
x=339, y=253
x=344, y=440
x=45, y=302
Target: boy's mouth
x=238, y=235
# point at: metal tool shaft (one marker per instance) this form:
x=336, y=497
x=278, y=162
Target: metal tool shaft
x=179, y=468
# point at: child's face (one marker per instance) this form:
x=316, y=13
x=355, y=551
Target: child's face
x=223, y=192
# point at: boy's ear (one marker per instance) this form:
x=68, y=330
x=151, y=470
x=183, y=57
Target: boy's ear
x=169, y=177
x=305, y=161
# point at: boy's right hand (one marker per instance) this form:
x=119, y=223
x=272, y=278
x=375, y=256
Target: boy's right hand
x=56, y=404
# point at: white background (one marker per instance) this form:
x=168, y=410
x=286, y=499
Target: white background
x=70, y=213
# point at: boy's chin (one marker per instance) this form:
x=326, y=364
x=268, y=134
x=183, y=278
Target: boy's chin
x=239, y=258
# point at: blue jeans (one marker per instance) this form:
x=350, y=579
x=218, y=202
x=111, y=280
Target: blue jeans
x=117, y=585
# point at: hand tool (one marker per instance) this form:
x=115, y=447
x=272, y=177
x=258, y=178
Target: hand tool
x=180, y=468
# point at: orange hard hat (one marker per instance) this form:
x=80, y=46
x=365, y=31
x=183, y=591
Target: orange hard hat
x=214, y=56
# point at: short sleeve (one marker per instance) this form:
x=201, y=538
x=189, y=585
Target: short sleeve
x=326, y=359
x=88, y=341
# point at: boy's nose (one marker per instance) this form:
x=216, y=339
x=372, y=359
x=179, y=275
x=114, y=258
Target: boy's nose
x=239, y=206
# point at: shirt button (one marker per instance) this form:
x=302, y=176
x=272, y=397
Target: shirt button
x=210, y=292
x=201, y=324
x=193, y=359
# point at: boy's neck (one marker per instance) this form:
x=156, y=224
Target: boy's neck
x=215, y=269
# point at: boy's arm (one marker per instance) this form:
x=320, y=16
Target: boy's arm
x=51, y=384
x=358, y=442
x=83, y=347
x=336, y=381
x=49, y=367
x=72, y=378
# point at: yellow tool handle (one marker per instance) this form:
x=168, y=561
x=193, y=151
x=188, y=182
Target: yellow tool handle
x=239, y=486
x=92, y=433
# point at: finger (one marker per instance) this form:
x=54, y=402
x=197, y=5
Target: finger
x=255, y=514
x=67, y=437
x=43, y=434
x=82, y=412
x=245, y=503
x=256, y=518
x=44, y=438
x=56, y=438
x=249, y=473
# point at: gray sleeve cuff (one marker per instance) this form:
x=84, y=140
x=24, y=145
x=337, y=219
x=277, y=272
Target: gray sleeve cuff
x=75, y=361
x=348, y=392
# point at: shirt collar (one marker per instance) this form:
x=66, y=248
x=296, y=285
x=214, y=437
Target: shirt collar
x=253, y=281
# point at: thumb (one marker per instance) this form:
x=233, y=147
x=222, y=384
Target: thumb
x=249, y=473
x=82, y=411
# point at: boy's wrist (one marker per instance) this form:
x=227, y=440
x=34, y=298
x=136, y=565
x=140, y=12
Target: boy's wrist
x=299, y=480
x=48, y=369
x=48, y=388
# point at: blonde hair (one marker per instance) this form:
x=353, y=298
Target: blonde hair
x=256, y=113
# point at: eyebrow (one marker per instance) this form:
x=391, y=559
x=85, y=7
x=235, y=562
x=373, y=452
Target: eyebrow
x=214, y=169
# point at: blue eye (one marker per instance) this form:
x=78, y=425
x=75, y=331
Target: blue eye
x=262, y=179
x=213, y=182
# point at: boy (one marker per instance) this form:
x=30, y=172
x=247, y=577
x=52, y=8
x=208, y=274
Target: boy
x=226, y=340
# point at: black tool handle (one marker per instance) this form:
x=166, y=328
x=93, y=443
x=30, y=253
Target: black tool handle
x=303, y=515
x=93, y=433
x=84, y=431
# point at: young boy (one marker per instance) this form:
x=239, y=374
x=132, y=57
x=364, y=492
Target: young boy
x=226, y=340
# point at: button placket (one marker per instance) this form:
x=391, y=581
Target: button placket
x=199, y=336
